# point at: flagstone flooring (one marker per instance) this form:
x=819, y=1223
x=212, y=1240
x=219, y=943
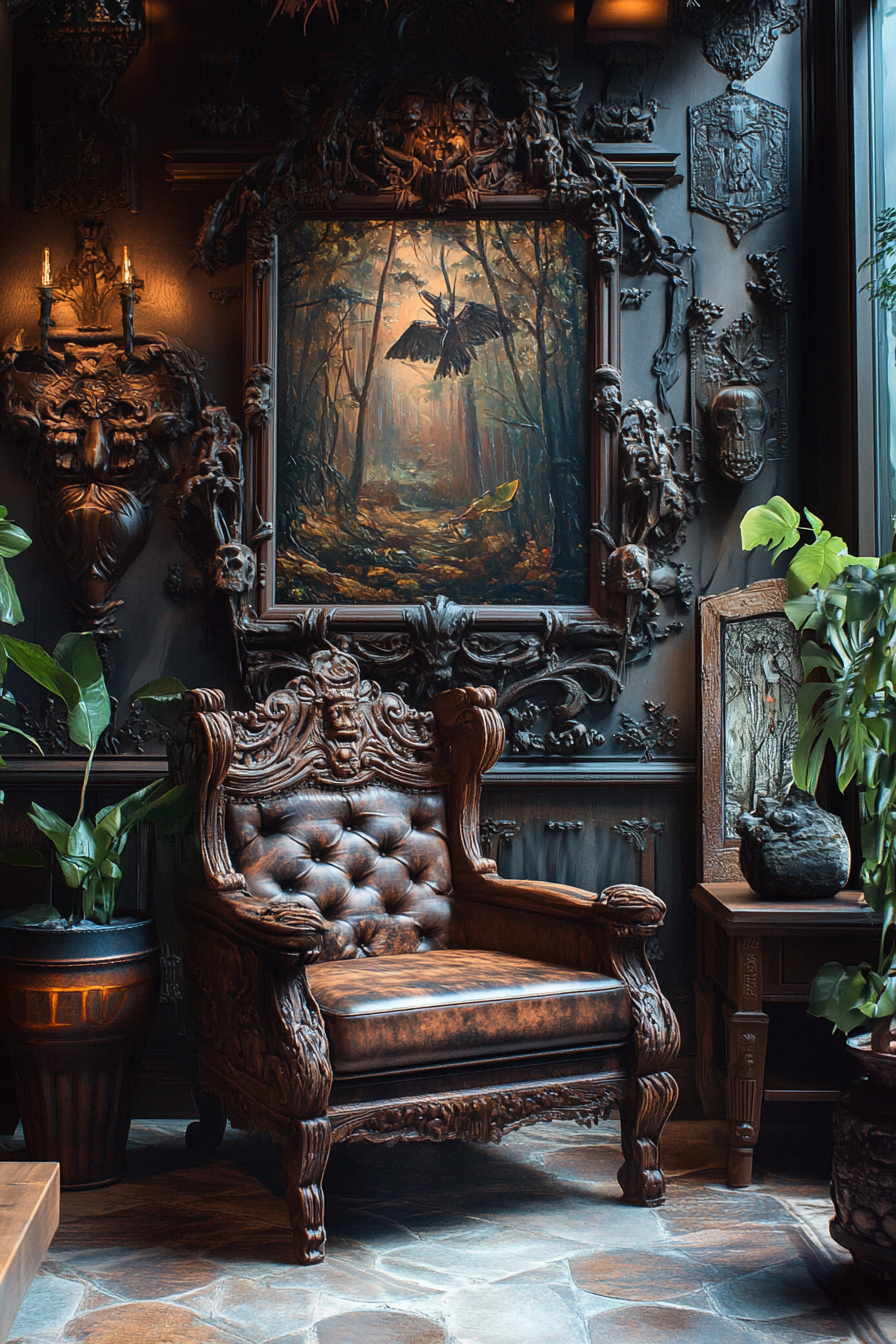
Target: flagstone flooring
x=526, y=1243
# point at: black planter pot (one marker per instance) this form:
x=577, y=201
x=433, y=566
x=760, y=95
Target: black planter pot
x=75, y=1007
x=863, y=1180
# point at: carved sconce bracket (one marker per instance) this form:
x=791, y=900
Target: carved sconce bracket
x=100, y=428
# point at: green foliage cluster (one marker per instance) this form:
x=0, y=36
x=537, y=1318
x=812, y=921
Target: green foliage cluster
x=89, y=852
x=844, y=607
x=881, y=285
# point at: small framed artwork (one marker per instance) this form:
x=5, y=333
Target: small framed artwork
x=750, y=675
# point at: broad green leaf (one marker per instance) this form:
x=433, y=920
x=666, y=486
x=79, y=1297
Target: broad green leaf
x=10, y=606
x=24, y=858
x=43, y=669
x=162, y=699
x=76, y=654
x=836, y=994
x=773, y=525
x=814, y=521
x=799, y=609
x=37, y=914
x=52, y=825
x=12, y=540
x=20, y=732
x=816, y=565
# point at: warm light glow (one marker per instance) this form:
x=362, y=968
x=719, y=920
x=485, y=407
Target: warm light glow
x=46, y=275
x=127, y=273
x=628, y=14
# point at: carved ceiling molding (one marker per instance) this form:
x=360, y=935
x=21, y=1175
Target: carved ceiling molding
x=740, y=35
x=739, y=160
x=740, y=420
x=86, y=161
x=429, y=147
x=100, y=427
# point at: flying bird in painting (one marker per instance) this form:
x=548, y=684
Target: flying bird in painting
x=451, y=340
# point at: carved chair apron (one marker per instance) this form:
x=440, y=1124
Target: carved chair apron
x=359, y=970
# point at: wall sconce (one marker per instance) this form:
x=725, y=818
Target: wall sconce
x=635, y=17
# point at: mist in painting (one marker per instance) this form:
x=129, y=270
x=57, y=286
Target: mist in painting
x=432, y=412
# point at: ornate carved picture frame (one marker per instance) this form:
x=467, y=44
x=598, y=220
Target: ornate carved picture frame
x=420, y=422
x=749, y=676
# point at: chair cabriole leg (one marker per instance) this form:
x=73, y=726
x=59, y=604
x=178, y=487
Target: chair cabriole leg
x=305, y=1157
x=643, y=1112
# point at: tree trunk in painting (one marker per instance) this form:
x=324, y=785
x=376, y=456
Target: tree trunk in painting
x=474, y=442
x=356, y=480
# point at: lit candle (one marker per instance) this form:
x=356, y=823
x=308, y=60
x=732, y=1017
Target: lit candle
x=127, y=273
x=46, y=275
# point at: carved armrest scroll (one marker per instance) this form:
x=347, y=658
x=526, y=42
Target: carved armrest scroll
x=201, y=754
x=285, y=929
x=472, y=730
x=631, y=915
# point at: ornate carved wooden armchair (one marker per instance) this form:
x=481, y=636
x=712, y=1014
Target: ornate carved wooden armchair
x=358, y=969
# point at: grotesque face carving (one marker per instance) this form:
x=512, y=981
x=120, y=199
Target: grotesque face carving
x=234, y=567
x=628, y=569
x=343, y=725
x=739, y=415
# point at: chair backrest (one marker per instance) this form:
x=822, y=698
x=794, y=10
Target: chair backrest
x=333, y=799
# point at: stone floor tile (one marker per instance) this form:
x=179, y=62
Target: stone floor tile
x=48, y=1304
x=513, y=1314
x=378, y=1327
x=662, y=1325
x=350, y=1282
x=742, y=1251
x=699, y=1208
x=501, y=1251
x=258, y=1310
x=137, y=1275
x=783, y=1290
x=593, y=1220
x=641, y=1276
x=146, y=1323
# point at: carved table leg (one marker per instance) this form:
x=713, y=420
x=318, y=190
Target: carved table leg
x=304, y=1163
x=205, y=1134
x=747, y=1029
x=643, y=1112
x=747, y=1035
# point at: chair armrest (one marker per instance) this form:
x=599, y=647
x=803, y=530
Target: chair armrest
x=283, y=928
x=621, y=909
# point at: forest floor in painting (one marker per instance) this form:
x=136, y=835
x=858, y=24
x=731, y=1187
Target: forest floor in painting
x=393, y=551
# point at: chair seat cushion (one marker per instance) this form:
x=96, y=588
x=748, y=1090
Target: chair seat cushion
x=392, y=1012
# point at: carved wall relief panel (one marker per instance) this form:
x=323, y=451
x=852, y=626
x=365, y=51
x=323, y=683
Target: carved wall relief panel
x=86, y=161
x=100, y=427
x=737, y=422
x=739, y=38
x=739, y=160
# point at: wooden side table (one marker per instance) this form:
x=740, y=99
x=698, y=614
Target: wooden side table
x=29, y=1216
x=758, y=952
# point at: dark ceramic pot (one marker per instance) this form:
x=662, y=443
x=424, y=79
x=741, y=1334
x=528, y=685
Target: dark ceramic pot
x=863, y=1179
x=792, y=850
x=75, y=1007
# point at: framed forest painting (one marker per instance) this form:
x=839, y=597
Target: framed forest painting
x=432, y=419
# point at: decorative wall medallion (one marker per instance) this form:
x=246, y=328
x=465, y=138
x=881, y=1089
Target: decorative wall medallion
x=739, y=38
x=738, y=160
x=99, y=426
x=91, y=279
x=657, y=732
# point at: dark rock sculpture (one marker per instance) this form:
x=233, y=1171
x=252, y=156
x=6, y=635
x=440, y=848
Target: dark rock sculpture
x=793, y=850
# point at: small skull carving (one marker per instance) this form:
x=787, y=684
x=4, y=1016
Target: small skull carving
x=233, y=567
x=740, y=416
x=628, y=569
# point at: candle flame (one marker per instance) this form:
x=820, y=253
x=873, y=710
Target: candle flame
x=46, y=275
x=127, y=273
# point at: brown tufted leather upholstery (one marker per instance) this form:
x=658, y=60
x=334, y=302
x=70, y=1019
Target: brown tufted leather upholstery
x=398, y=1011
x=373, y=861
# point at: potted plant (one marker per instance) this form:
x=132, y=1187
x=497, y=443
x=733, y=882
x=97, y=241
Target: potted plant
x=845, y=610
x=78, y=988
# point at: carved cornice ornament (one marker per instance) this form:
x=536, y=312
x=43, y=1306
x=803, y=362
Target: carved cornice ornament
x=99, y=426
x=429, y=148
